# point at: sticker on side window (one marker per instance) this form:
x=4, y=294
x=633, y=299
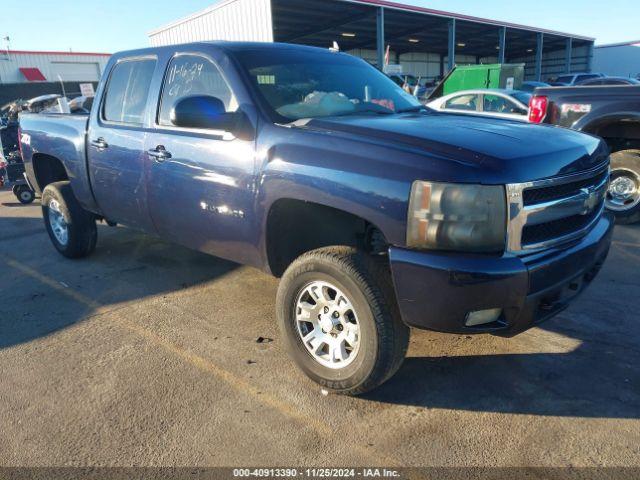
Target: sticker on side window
x=266, y=79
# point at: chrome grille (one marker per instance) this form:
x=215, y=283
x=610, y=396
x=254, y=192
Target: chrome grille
x=531, y=196
x=550, y=212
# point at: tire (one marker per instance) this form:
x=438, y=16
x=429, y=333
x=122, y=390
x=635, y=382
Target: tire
x=24, y=194
x=61, y=211
x=623, y=197
x=382, y=338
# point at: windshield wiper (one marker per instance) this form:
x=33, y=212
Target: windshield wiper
x=378, y=110
x=417, y=108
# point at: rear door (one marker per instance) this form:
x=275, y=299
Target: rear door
x=116, y=142
x=201, y=182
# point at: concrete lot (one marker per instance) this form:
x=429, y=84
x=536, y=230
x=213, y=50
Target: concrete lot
x=146, y=354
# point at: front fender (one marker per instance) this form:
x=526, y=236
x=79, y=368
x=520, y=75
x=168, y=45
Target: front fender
x=381, y=202
x=336, y=175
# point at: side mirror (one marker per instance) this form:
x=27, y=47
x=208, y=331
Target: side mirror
x=202, y=111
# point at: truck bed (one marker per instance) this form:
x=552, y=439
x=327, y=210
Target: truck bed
x=573, y=106
x=64, y=135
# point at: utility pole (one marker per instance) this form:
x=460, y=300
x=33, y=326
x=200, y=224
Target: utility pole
x=7, y=41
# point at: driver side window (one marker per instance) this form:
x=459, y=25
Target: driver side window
x=496, y=104
x=189, y=75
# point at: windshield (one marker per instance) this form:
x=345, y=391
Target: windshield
x=297, y=84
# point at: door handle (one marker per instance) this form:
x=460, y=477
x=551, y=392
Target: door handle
x=159, y=154
x=100, y=144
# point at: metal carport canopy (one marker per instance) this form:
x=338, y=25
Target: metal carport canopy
x=374, y=24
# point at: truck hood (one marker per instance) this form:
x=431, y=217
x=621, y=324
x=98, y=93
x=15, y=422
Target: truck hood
x=491, y=150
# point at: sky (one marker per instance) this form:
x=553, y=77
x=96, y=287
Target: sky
x=113, y=25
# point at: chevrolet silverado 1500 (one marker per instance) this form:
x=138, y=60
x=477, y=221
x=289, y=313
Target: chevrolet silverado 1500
x=378, y=213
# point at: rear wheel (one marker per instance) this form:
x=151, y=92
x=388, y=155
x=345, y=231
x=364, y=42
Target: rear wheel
x=337, y=311
x=623, y=197
x=72, y=229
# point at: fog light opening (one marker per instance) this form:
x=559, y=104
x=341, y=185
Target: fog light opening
x=483, y=317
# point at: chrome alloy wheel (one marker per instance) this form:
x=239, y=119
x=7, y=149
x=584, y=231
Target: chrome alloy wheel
x=57, y=222
x=327, y=325
x=624, y=191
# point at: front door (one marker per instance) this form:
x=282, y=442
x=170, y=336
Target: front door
x=200, y=182
x=116, y=144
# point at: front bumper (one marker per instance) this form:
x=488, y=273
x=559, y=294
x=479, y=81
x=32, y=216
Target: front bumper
x=437, y=291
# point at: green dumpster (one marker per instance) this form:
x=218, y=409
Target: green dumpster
x=471, y=77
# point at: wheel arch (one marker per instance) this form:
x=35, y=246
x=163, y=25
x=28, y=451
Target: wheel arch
x=47, y=169
x=322, y=226
x=620, y=130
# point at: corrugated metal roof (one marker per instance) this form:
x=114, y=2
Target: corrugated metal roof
x=633, y=43
x=392, y=5
x=44, y=52
x=236, y=20
x=459, y=16
x=193, y=16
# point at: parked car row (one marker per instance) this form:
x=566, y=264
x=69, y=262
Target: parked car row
x=421, y=90
x=588, y=79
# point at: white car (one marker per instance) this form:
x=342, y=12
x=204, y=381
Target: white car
x=497, y=103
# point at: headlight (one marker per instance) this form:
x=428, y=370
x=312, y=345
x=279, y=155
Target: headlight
x=447, y=216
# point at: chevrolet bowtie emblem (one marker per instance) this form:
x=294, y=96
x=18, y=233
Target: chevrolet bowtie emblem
x=591, y=200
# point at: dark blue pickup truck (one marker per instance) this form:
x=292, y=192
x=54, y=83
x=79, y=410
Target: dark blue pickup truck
x=378, y=214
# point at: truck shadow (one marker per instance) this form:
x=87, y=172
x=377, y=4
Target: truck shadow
x=579, y=384
x=598, y=377
x=126, y=266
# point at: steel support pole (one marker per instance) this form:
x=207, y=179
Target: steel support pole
x=539, y=49
x=452, y=43
x=380, y=42
x=502, y=44
x=568, y=55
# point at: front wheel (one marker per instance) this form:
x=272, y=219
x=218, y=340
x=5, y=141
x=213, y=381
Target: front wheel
x=623, y=197
x=71, y=228
x=337, y=312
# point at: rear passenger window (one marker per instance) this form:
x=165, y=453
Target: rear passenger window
x=189, y=75
x=126, y=96
x=463, y=102
x=583, y=78
x=565, y=79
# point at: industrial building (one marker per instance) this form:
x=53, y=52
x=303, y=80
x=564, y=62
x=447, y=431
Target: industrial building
x=618, y=59
x=27, y=66
x=424, y=42
x=28, y=74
